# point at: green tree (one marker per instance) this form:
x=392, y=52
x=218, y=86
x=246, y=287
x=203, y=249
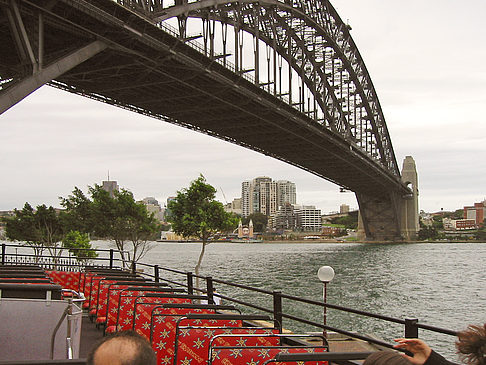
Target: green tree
x=119, y=218
x=79, y=245
x=349, y=221
x=428, y=233
x=195, y=213
x=480, y=234
x=40, y=228
x=259, y=220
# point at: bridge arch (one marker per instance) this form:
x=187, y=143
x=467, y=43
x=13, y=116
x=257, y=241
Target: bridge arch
x=314, y=41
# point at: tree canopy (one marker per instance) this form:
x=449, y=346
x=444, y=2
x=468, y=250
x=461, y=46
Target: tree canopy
x=40, y=228
x=195, y=213
x=259, y=220
x=117, y=217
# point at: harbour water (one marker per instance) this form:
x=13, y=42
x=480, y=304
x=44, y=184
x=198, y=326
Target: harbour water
x=441, y=284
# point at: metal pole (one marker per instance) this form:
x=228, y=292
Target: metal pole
x=190, y=283
x=210, y=289
x=277, y=310
x=111, y=258
x=411, y=328
x=324, y=331
x=156, y=273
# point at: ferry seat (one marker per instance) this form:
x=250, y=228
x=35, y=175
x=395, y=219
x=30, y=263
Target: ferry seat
x=192, y=343
x=67, y=279
x=319, y=358
x=126, y=305
x=108, y=307
x=166, y=318
x=258, y=355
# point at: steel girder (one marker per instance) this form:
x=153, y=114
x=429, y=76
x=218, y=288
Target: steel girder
x=311, y=37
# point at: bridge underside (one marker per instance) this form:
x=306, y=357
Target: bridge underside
x=141, y=68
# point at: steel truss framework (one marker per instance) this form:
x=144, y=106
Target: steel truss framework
x=303, y=96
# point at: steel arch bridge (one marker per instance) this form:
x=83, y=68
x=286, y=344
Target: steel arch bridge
x=281, y=77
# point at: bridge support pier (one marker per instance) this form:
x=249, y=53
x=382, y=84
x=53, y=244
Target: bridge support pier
x=392, y=217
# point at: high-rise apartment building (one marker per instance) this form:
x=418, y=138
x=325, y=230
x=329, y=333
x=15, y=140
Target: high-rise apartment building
x=286, y=192
x=266, y=196
x=245, y=198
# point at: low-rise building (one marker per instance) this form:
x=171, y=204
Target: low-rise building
x=477, y=212
x=308, y=218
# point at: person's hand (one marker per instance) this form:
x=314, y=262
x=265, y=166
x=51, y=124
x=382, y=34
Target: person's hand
x=420, y=350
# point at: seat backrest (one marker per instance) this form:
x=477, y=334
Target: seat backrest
x=126, y=312
x=117, y=289
x=67, y=279
x=257, y=355
x=192, y=343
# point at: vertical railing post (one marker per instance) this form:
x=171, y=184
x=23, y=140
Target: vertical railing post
x=3, y=253
x=156, y=273
x=190, y=283
x=411, y=328
x=111, y=258
x=210, y=289
x=277, y=310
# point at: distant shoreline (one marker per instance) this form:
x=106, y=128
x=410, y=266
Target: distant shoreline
x=318, y=241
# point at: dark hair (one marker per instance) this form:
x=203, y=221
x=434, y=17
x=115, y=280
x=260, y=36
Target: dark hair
x=471, y=345
x=144, y=354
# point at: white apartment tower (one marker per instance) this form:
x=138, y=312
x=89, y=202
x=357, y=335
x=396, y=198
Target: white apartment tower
x=266, y=196
x=245, y=198
x=286, y=193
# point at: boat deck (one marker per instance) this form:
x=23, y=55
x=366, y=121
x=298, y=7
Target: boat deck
x=90, y=335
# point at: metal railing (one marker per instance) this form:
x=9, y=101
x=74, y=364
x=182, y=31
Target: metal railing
x=186, y=280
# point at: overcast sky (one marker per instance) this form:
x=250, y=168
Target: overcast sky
x=426, y=60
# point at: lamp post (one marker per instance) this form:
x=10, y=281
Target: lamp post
x=325, y=274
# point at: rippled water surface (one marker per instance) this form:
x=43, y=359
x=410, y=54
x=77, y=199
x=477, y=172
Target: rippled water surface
x=441, y=284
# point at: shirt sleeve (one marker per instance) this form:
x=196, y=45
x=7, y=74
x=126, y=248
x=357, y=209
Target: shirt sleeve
x=436, y=359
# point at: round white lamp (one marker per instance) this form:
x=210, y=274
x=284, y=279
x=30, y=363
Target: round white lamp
x=325, y=275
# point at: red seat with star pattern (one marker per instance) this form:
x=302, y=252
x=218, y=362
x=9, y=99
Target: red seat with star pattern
x=192, y=343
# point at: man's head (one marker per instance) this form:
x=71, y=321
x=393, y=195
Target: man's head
x=123, y=348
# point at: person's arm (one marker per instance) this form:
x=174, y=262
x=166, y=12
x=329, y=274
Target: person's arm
x=436, y=359
x=422, y=353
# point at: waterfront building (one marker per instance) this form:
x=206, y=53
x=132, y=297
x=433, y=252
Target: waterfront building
x=286, y=193
x=458, y=224
x=110, y=186
x=308, y=218
x=245, y=198
x=284, y=218
x=477, y=212
x=265, y=196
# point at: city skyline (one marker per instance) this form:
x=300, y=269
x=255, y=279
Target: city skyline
x=432, y=100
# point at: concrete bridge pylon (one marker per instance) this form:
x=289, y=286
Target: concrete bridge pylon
x=393, y=216
x=410, y=210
